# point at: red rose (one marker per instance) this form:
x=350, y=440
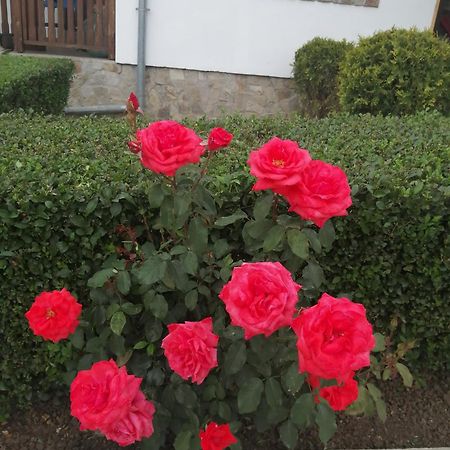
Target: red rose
x=322, y=192
x=277, y=165
x=137, y=424
x=219, y=138
x=260, y=297
x=54, y=315
x=191, y=349
x=134, y=146
x=166, y=146
x=103, y=395
x=134, y=102
x=216, y=437
x=340, y=396
x=334, y=338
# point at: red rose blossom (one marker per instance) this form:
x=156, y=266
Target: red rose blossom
x=334, y=338
x=321, y=192
x=137, y=424
x=260, y=297
x=219, y=138
x=54, y=315
x=191, y=349
x=134, y=102
x=340, y=396
x=134, y=146
x=167, y=145
x=103, y=395
x=216, y=437
x=277, y=165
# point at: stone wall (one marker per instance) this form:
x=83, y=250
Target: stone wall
x=372, y=3
x=176, y=93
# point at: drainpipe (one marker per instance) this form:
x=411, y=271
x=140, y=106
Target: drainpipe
x=140, y=78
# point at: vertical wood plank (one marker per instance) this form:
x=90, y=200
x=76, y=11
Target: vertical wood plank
x=70, y=23
x=41, y=22
x=111, y=28
x=80, y=23
x=90, y=22
x=99, y=23
x=17, y=26
x=61, y=33
x=31, y=20
x=437, y=6
x=5, y=23
x=51, y=21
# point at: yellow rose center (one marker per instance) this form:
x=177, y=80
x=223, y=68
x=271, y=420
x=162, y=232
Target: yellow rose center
x=278, y=163
x=50, y=313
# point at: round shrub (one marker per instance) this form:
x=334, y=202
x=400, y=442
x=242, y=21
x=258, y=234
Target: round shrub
x=396, y=72
x=316, y=69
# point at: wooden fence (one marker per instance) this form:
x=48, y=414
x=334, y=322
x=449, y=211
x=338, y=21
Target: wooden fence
x=69, y=24
x=4, y=9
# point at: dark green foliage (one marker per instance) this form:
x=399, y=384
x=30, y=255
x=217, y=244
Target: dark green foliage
x=396, y=72
x=66, y=184
x=40, y=84
x=316, y=70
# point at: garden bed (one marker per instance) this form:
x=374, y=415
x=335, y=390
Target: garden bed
x=417, y=417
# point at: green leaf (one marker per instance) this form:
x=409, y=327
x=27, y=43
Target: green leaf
x=313, y=273
x=151, y=271
x=90, y=207
x=155, y=195
x=100, y=278
x=77, y=338
x=375, y=393
x=183, y=441
x=123, y=282
x=303, y=411
x=379, y=343
x=274, y=394
x=298, y=242
x=186, y=396
x=273, y=238
x=190, y=262
x=327, y=235
x=111, y=309
x=198, y=235
x=157, y=304
x=191, y=300
x=292, y=380
x=140, y=345
x=117, y=323
x=313, y=239
x=289, y=434
x=326, y=420
x=405, y=374
x=228, y=220
x=130, y=309
x=249, y=395
x=235, y=358
x=262, y=206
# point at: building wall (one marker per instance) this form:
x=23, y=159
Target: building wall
x=257, y=37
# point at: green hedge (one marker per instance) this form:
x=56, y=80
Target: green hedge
x=66, y=183
x=41, y=84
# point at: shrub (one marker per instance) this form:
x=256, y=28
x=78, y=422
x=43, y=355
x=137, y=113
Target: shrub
x=66, y=184
x=41, y=84
x=316, y=69
x=396, y=72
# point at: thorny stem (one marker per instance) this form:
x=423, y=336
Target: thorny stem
x=203, y=171
x=275, y=207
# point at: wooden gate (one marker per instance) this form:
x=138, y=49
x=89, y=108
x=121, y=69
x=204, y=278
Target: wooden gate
x=68, y=24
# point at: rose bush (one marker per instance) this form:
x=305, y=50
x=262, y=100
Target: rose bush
x=208, y=328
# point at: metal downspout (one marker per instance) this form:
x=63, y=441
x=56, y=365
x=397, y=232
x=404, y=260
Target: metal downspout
x=140, y=78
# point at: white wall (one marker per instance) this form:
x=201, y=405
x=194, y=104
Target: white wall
x=251, y=36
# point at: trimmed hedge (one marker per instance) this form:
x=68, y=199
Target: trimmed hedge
x=65, y=184
x=41, y=84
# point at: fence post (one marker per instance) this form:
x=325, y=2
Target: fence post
x=5, y=23
x=17, y=24
x=111, y=28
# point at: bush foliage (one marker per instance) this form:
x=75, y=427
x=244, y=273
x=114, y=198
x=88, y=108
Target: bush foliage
x=41, y=84
x=316, y=70
x=396, y=72
x=67, y=184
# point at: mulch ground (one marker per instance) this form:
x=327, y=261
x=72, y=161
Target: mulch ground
x=417, y=417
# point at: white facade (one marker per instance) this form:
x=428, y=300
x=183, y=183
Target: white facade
x=256, y=37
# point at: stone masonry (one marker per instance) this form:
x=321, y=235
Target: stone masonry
x=176, y=93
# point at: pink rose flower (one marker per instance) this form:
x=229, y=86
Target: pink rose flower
x=321, y=192
x=260, y=297
x=219, y=138
x=334, y=338
x=54, y=315
x=137, y=424
x=191, y=349
x=277, y=165
x=340, y=396
x=102, y=395
x=167, y=145
x=216, y=437
x=134, y=103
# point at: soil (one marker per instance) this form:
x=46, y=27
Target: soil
x=417, y=417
